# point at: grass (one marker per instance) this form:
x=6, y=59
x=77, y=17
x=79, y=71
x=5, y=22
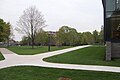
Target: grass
x=1, y=57
x=39, y=73
x=27, y=50
x=94, y=55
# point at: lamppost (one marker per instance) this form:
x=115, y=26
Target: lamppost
x=49, y=44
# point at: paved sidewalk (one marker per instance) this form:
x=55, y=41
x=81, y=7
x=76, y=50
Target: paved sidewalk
x=12, y=59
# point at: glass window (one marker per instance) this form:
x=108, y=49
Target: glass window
x=110, y=5
x=115, y=23
x=109, y=14
x=113, y=20
x=118, y=4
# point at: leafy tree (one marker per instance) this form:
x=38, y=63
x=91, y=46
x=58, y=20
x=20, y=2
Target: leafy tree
x=87, y=38
x=62, y=35
x=79, y=42
x=41, y=38
x=5, y=31
x=73, y=36
x=67, y=36
x=101, y=35
x=96, y=36
x=2, y=23
x=25, y=40
x=30, y=23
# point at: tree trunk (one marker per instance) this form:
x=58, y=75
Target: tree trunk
x=7, y=42
x=32, y=35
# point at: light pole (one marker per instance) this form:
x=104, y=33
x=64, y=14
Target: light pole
x=49, y=44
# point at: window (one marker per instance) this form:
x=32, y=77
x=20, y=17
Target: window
x=110, y=5
x=118, y=4
x=109, y=14
x=113, y=19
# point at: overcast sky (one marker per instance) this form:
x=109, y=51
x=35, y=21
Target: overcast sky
x=83, y=15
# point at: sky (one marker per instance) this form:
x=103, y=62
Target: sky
x=83, y=15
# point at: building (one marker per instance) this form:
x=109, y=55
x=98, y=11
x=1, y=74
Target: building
x=52, y=35
x=112, y=28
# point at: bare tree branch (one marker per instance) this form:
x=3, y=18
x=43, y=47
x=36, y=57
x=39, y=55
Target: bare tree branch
x=30, y=22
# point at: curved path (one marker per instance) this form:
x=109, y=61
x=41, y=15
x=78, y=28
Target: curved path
x=12, y=59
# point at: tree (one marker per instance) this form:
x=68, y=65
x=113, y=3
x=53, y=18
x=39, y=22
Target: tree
x=67, y=36
x=5, y=31
x=62, y=35
x=41, y=38
x=96, y=36
x=2, y=23
x=79, y=42
x=87, y=38
x=73, y=36
x=30, y=23
x=25, y=41
x=101, y=35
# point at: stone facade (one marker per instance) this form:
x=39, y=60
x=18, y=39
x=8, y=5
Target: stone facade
x=115, y=47
x=112, y=50
x=108, y=51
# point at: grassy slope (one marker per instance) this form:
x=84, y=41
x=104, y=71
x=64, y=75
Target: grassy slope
x=90, y=56
x=38, y=73
x=1, y=57
x=27, y=50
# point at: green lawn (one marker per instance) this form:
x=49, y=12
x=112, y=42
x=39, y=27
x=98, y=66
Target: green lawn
x=1, y=57
x=27, y=50
x=39, y=73
x=94, y=55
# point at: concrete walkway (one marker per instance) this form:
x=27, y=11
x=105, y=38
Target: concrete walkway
x=12, y=59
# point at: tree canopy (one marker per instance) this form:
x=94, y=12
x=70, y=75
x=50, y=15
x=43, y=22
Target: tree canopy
x=67, y=36
x=5, y=30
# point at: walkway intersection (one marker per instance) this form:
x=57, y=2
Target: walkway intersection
x=13, y=59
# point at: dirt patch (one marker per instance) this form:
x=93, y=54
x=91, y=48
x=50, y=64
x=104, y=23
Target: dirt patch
x=64, y=78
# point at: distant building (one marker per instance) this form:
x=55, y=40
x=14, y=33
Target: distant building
x=52, y=32
x=52, y=38
x=11, y=43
